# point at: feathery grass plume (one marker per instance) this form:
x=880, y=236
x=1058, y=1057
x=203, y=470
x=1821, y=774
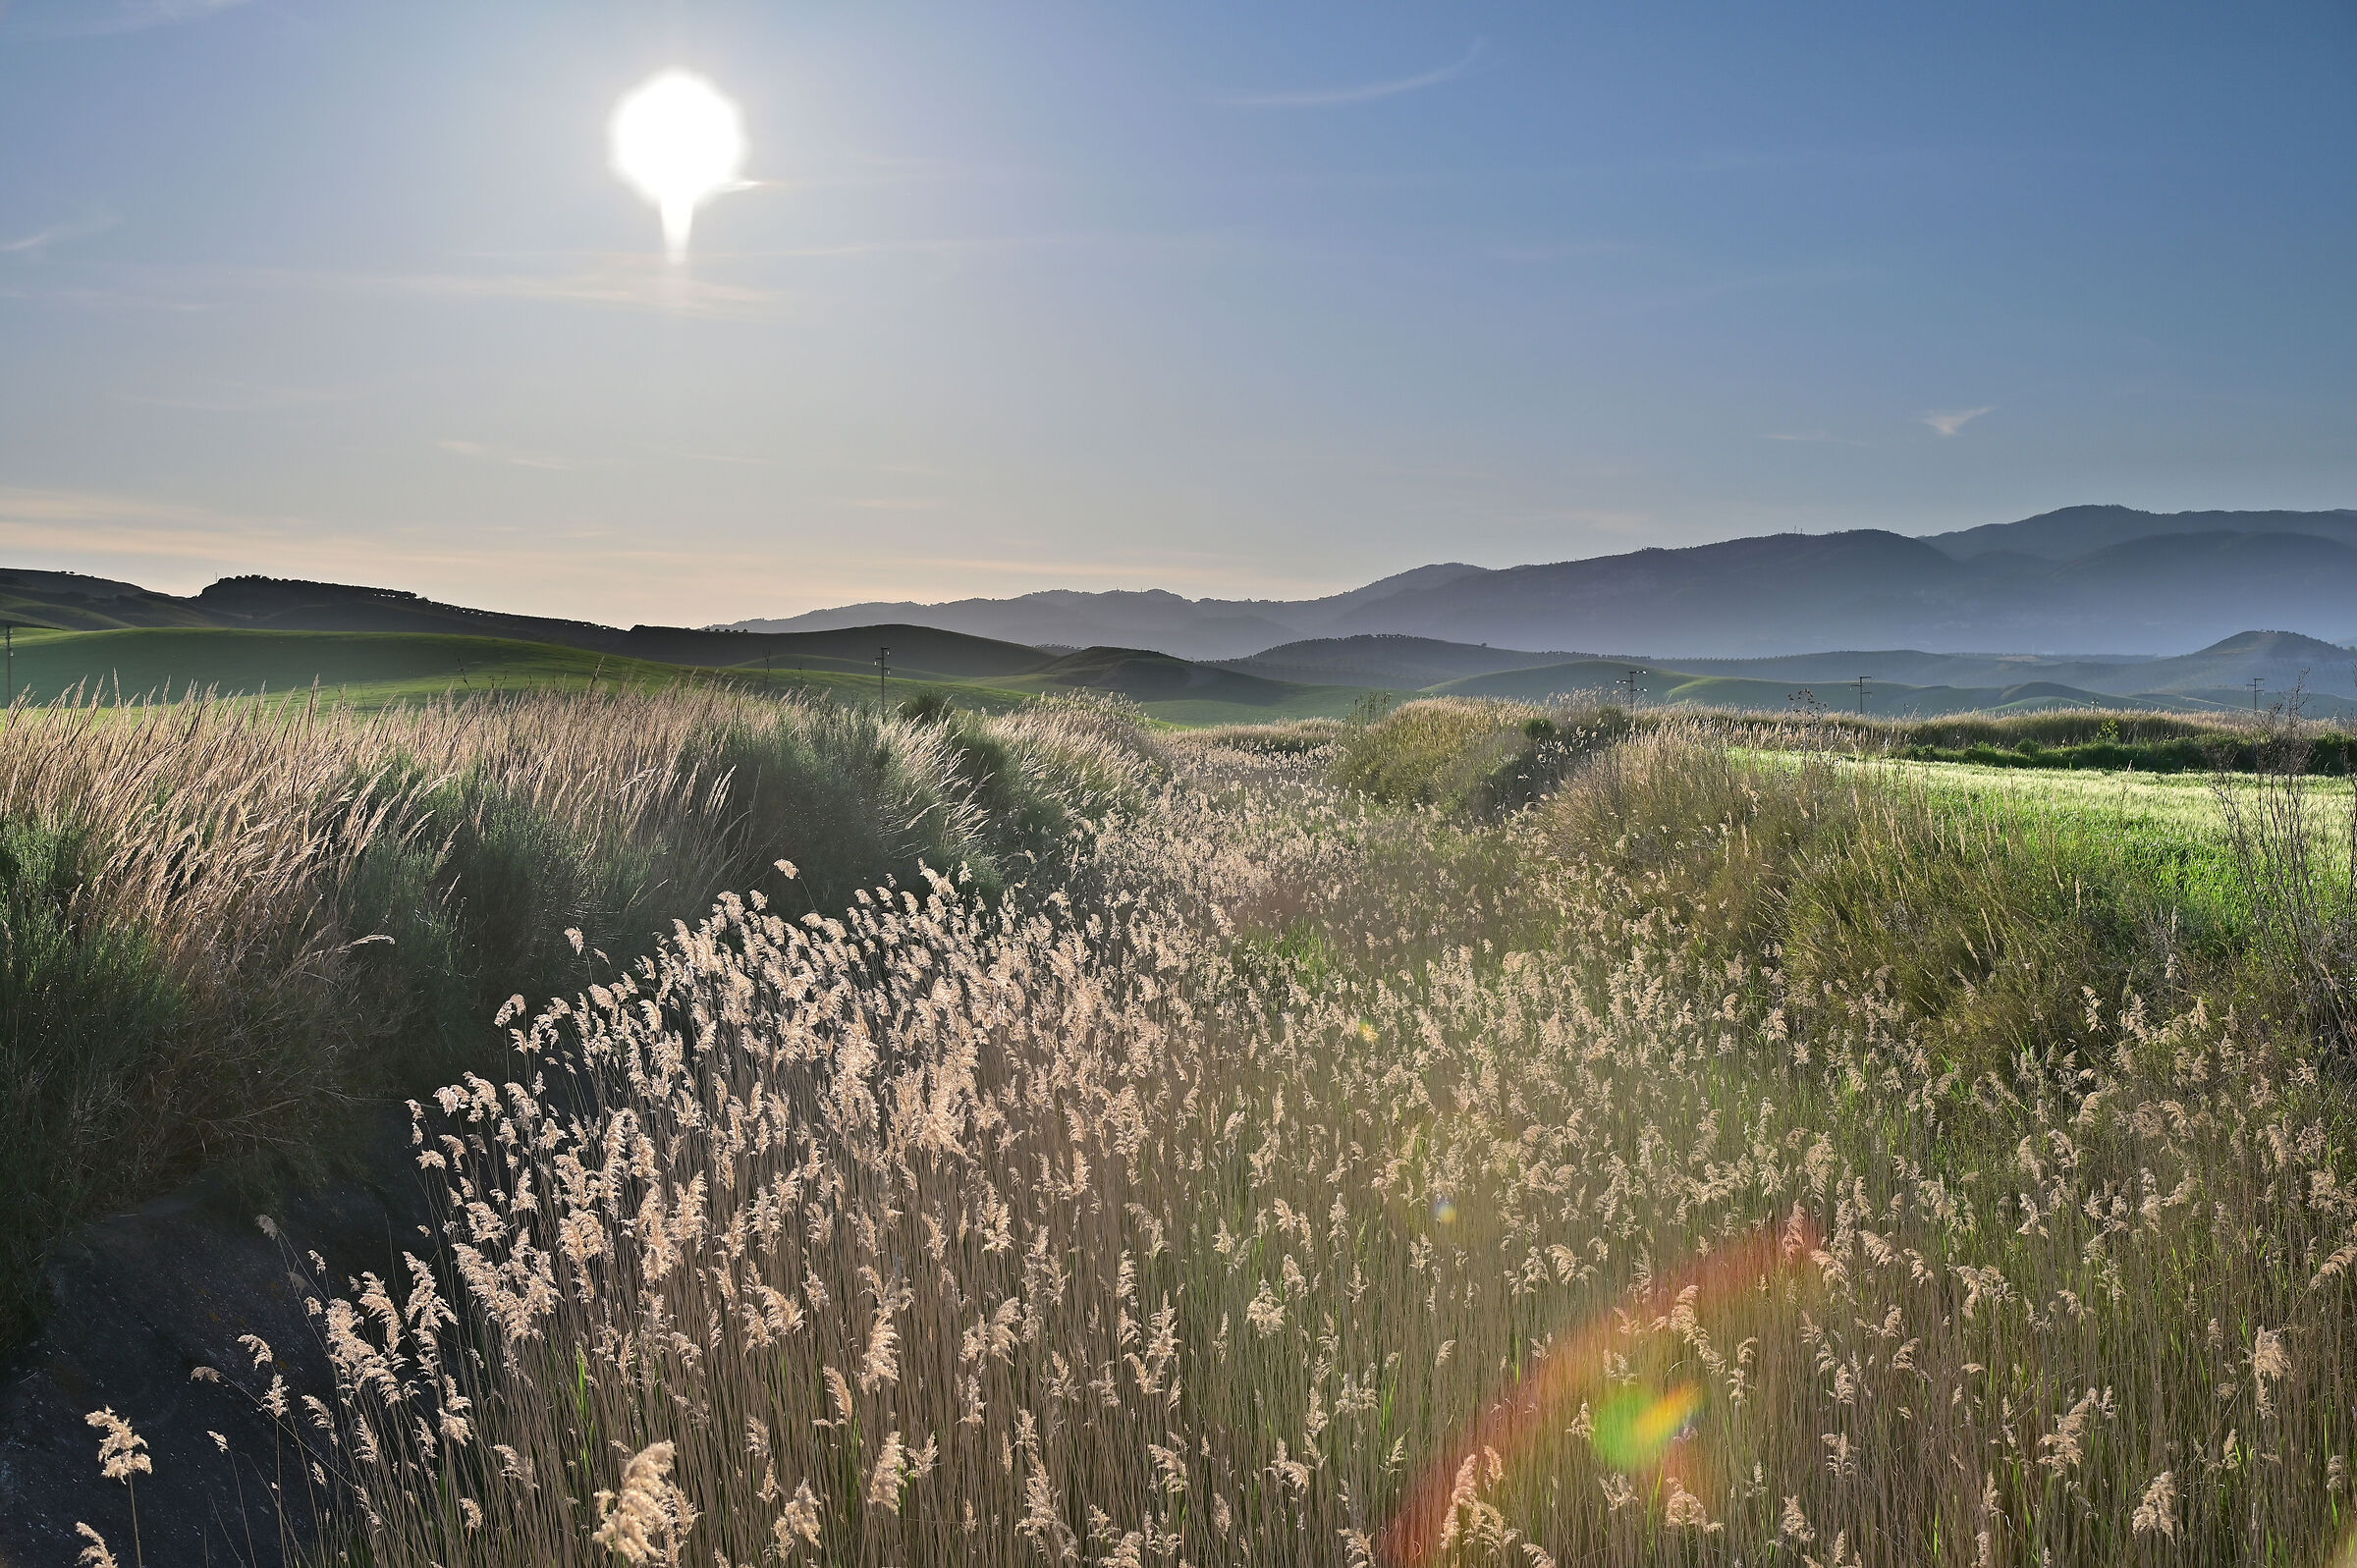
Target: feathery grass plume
x=799, y=1525
x=649, y=1516
x=233, y=920
x=1198, y=1201
x=2157, y=1511
x=122, y=1455
x=95, y=1554
x=122, y=1452
x=884, y=1482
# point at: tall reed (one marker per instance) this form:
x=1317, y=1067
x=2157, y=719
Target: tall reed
x=226, y=922
x=1319, y=1182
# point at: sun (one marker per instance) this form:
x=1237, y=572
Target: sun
x=681, y=142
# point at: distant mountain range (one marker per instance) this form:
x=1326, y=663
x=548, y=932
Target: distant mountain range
x=246, y=633
x=2086, y=579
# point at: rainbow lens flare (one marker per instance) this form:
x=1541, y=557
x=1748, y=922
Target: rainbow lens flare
x=1635, y=1427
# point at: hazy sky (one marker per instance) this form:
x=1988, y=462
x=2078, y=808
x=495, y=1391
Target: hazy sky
x=1254, y=299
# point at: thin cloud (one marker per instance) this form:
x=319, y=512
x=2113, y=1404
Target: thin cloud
x=1948, y=422
x=620, y=280
x=40, y=240
x=514, y=457
x=92, y=19
x=103, y=299
x=733, y=458
x=239, y=397
x=622, y=286
x=177, y=546
x=1813, y=437
x=1365, y=92
x=80, y=526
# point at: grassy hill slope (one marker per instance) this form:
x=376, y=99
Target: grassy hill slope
x=1385, y=659
x=68, y=602
x=1183, y=692
x=1652, y=685
x=367, y=667
x=375, y=669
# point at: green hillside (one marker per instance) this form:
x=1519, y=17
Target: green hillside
x=1178, y=692
x=374, y=669
x=944, y=654
x=1653, y=685
x=369, y=668
x=71, y=602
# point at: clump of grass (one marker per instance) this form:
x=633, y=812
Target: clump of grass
x=222, y=924
x=1470, y=757
x=1997, y=919
x=1299, y=737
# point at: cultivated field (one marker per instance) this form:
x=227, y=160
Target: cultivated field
x=1478, y=1135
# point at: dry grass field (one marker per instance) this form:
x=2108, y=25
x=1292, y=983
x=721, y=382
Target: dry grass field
x=1717, y=1159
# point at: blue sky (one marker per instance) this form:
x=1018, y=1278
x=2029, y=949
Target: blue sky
x=1246, y=300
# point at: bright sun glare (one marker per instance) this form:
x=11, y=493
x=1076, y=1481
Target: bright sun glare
x=681, y=142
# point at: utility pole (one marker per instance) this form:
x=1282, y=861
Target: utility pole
x=1631, y=682
x=8, y=631
x=2254, y=684
x=1860, y=683
x=881, y=654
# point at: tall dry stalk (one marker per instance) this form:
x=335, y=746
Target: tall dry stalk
x=222, y=923
x=2296, y=864
x=1213, y=1210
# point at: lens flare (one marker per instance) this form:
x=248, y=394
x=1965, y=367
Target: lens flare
x=1635, y=1428
x=680, y=142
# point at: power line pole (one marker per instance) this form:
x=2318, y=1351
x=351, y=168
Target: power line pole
x=1631, y=682
x=2254, y=683
x=881, y=654
x=1860, y=683
x=8, y=631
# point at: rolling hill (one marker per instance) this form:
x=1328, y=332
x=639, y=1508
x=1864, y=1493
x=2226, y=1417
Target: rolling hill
x=1386, y=658
x=71, y=602
x=132, y=663
x=1654, y=685
x=1184, y=692
x=246, y=636
x=1192, y=629
x=372, y=668
x=2081, y=579
x=2075, y=532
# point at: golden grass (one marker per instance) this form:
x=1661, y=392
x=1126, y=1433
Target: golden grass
x=229, y=921
x=1317, y=1183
